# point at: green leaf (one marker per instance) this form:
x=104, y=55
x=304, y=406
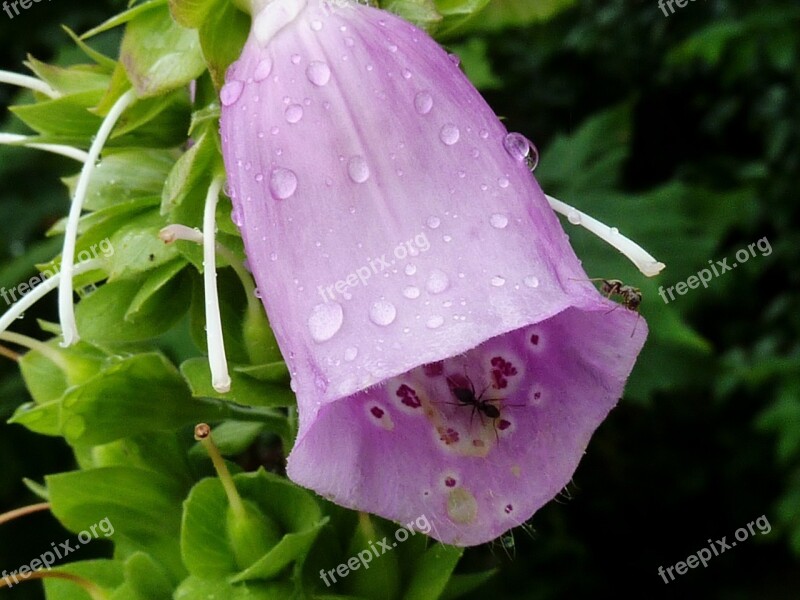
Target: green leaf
x=124, y=17
x=244, y=389
x=191, y=13
x=101, y=316
x=199, y=588
x=222, y=36
x=191, y=174
x=501, y=14
x=66, y=117
x=462, y=584
x=146, y=579
x=232, y=437
x=107, y=574
x=383, y=578
x=433, y=571
x=159, y=55
x=71, y=80
x=422, y=13
x=101, y=59
x=456, y=14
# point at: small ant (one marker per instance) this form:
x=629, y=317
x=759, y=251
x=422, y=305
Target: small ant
x=464, y=391
x=631, y=296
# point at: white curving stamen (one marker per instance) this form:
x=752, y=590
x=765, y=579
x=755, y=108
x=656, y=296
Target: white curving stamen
x=26, y=81
x=66, y=309
x=33, y=344
x=22, y=140
x=220, y=378
x=648, y=265
x=18, y=309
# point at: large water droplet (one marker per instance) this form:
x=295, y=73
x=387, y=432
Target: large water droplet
x=358, y=169
x=434, y=222
x=435, y=322
x=454, y=58
x=263, y=69
x=411, y=269
x=350, y=354
x=318, y=73
x=282, y=183
x=449, y=134
x=316, y=25
x=423, y=102
x=325, y=321
x=531, y=281
x=498, y=281
x=521, y=149
x=236, y=216
x=231, y=92
x=574, y=217
x=498, y=221
x=382, y=313
x=293, y=113
x=437, y=282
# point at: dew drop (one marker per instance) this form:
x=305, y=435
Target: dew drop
x=231, y=92
x=574, y=217
x=350, y=354
x=498, y=221
x=411, y=292
x=498, y=281
x=358, y=169
x=521, y=149
x=423, y=102
x=325, y=321
x=295, y=59
x=316, y=25
x=259, y=177
x=318, y=73
x=236, y=216
x=411, y=269
x=282, y=183
x=434, y=222
x=263, y=69
x=614, y=231
x=454, y=59
x=435, y=322
x=349, y=42
x=392, y=47
x=406, y=74
x=293, y=113
x=531, y=281
x=449, y=134
x=503, y=182
x=382, y=313
x=437, y=282
x=273, y=257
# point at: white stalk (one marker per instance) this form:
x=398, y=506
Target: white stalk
x=37, y=293
x=22, y=140
x=220, y=378
x=33, y=344
x=26, y=81
x=648, y=265
x=66, y=310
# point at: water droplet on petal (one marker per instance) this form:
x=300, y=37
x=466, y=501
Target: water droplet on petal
x=231, y=92
x=574, y=217
x=382, y=313
x=295, y=59
x=349, y=42
x=449, y=134
x=350, y=354
x=282, y=183
x=423, y=102
x=503, y=182
x=434, y=222
x=319, y=73
x=263, y=69
x=236, y=216
x=498, y=221
x=406, y=74
x=498, y=281
x=454, y=58
x=531, y=281
x=325, y=321
x=411, y=269
x=293, y=113
x=435, y=322
x=358, y=169
x=614, y=231
x=411, y=292
x=273, y=257
x=484, y=134
x=437, y=282
x=521, y=149
x=316, y=25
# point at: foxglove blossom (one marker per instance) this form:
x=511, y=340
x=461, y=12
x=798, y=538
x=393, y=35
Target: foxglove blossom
x=449, y=355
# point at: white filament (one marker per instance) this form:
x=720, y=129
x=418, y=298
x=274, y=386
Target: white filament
x=648, y=265
x=22, y=140
x=26, y=81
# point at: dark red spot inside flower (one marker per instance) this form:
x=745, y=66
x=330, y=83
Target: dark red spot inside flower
x=433, y=369
x=535, y=339
x=501, y=370
x=376, y=412
x=502, y=424
x=450, y=482
x=509, y=509
x=408, y=396
x=459, y=382
x=448, y=435
x=537, y=395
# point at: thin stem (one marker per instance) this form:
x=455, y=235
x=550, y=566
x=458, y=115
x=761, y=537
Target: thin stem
x=23, y=512
x=202, y=433
x=34, y=344
x=220, y=379
x=648, y=265
x=91, y=588
x=66, y=309
x=68, y=151
x=10, y=354
x=37, y=293
x=26, y=81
